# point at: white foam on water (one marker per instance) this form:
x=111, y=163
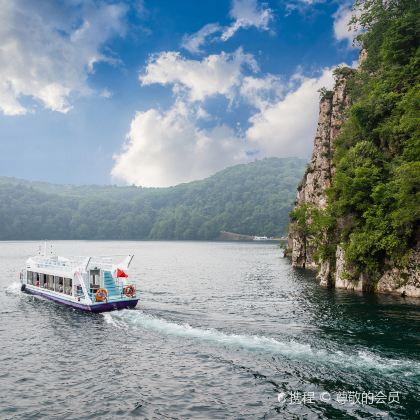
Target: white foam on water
x=292, y=349
x=109, y=319
x=14, y=288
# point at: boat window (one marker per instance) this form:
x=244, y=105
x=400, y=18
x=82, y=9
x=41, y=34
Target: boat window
x=43, y=280
x=60, y=284
x=56, y=284
x=50, y=282
x=29, y=277
x=68, y=286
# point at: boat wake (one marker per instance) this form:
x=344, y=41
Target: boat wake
x=13, y=288
x=360, y=360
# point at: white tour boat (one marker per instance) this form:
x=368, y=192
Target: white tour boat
x=93, y=284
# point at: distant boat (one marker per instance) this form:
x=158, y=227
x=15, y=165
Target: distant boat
x=92, y=284
x=260, y=238
x=264, y=238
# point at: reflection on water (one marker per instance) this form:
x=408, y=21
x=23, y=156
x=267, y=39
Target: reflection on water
x=222, y=329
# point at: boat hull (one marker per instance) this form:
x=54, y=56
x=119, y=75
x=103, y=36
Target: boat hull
x=96, y=308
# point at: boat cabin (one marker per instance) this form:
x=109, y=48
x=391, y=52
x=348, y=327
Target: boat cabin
x=50, y=282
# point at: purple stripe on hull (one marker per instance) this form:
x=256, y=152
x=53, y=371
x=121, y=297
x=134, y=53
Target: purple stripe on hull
x=102, y=307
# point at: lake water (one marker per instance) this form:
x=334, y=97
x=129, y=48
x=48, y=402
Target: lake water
x=223, y=330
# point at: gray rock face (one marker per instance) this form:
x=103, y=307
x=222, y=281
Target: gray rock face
x=324, y=274
x=404, y=281
x=340, y=269
x=320, y=171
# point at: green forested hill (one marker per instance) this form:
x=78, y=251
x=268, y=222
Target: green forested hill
x=253, y=198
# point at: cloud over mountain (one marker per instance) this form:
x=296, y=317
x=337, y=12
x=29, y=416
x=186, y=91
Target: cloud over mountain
x=169, y=147
x=286, y=128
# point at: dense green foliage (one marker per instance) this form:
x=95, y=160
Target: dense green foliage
x=250, y=199
x=374, y=203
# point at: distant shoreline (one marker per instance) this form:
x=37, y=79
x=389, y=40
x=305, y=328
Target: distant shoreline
x=275, y=240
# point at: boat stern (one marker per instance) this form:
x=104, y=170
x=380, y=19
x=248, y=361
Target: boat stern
x=114, y=305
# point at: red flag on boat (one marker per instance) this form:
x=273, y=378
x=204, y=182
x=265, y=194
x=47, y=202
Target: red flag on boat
x=121, y=273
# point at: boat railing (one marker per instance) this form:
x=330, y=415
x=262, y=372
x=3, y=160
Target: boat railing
x=92, y=293
x=103, y=262
x=54, y=265
x=57, y=264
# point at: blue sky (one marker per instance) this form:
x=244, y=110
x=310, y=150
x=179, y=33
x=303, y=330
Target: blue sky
x=156, y=93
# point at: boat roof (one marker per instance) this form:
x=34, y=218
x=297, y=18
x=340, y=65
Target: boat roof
x=55, y=262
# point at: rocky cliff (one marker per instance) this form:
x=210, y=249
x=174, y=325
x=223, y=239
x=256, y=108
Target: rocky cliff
x=320, y=170
x=319, y=176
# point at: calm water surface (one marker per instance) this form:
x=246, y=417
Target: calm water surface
x=221, y=330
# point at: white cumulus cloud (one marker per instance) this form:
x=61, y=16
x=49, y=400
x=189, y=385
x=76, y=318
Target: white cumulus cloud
x=244, y=13
x=287, y=128
x=342, y=17
x=167, y=148
x=261, y=92
x=301, y=5
x=194, y=42
x=170, y=147
x=247, y=14
x=47, y=50
x=215, y=74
